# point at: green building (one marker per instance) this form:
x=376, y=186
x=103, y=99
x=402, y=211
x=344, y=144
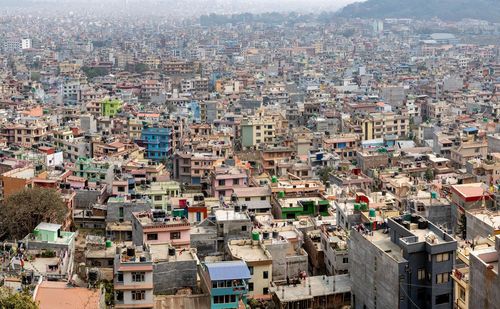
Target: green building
x=291, y=208
x=110, y=107
x=92, y=170
x=51, y=233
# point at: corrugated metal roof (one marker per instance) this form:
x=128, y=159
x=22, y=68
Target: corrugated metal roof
x=228, y=270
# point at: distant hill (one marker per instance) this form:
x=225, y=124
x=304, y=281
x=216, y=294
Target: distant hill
x=423, y=9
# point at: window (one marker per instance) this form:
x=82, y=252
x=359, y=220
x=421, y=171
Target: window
x=121, y=189
x=119, y=295
x=153, y=236
x=120, y=212
x=345, y=260
x=265, y=291
x=236, y=181
x=120, y=277
x=461, y=294
x=262, y=198
x=250, y=268
x=175, y=235
x=250, y=286
x=158, y=197
x=222, y=182
x=243, y=228
x=265, y=275
x=421, y=274
x=138, y=295
x=442, y=278
x=138, y=276
x=247, y=199
x=442, y=299
x=443, y=257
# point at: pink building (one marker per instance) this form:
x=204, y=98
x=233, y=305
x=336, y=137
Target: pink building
x=151, y=227
x=225, y=178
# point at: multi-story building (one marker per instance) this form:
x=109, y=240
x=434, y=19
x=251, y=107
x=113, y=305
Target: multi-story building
x=93, y=170
x=259, y=262
x=406, y=262
x=377, y=125
x=257, y=131
x=160, y=193
x=157, y=227
x=109, y=107
x=158, y=142
x=25, y=133
x=227, y=283
x=484, y=280
x=133, y=278
x=225, y=178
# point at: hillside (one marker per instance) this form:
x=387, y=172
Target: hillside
x=424, y=9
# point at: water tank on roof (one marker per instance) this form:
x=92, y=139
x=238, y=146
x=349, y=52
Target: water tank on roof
x=255, y=235
x=372, y=213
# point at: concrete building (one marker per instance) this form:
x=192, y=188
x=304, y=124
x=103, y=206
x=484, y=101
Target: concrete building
x=158, y=143
x=133, y=280
x=227, y=283
x=152, y=227
x=334, y=244
x=60, y=245
x=173, y=270
x=259, y=262
x=392, y=266
x=484, y=278
x=232, y=224
x=314, y=292
x=225, y=178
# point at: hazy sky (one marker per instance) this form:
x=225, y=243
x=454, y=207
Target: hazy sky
x=182, y=8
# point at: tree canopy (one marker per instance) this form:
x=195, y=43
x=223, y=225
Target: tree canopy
x=24, y=210
x=9, y=300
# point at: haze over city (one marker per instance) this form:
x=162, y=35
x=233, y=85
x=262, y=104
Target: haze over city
x=231, y=154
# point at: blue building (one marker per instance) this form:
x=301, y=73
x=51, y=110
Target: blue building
x=195, y=112
x=227, y=283
x=157, y=142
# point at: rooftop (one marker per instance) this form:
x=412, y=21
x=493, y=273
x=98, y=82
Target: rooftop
x=58, y=295
x=313, y=287
x=230, y=215
x=229, y=270
x=248, y=251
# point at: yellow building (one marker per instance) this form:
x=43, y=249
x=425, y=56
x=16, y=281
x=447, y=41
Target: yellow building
x=377, y=125
x=259, y=261
x=160, y=193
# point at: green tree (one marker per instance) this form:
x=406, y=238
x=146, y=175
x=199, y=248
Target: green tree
x=324, y=174
x=92, y=72
x=24, y=210
x=9, y=300
x=429, y=174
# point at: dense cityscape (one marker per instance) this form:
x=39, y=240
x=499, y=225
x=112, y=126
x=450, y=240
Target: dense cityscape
x=191, y=158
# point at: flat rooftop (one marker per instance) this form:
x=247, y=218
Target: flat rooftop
x=293, y=201
x=319, y=286
x=159, y=252
x=230, y=215
x=488, y=217
x=245, y=250
x=384, y=243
